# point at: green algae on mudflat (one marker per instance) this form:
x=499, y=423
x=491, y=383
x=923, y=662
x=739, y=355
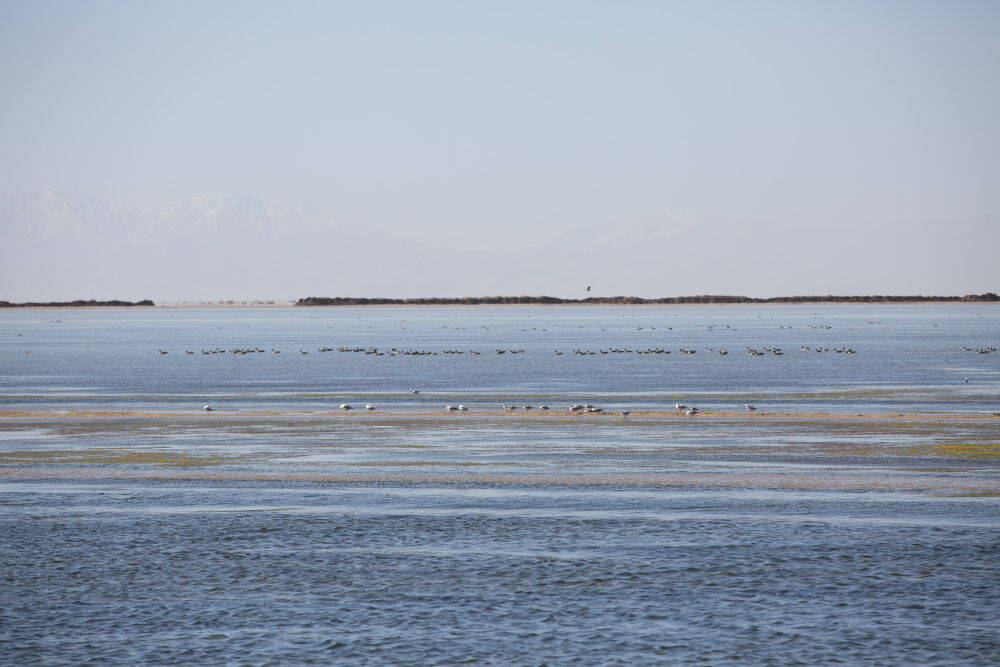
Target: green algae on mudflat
x=941, y=450
x=970, y=450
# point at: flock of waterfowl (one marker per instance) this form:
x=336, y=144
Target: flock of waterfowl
x=393, y=352
x=576, y=408
x=346, y=407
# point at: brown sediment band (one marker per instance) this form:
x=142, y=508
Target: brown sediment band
x=841, y=481
x=58, y=414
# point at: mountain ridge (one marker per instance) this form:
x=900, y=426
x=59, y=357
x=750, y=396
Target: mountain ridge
x=58, y=244
x=208, y=247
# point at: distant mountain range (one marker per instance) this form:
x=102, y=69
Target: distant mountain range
x=64, y=245
x=50, y=215
x=231, y=245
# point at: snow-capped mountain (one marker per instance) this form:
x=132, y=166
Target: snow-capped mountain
x=51, y=215
x=64, y=244
x=227, y=215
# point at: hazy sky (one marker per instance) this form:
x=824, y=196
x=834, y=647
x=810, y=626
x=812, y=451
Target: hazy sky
x=492, y=124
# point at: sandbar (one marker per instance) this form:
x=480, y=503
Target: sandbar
x=737, y=415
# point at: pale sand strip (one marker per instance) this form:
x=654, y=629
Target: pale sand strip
x=841, y=481
x=70, y=414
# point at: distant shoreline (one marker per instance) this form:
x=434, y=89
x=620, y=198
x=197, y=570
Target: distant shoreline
x=706, y=299
x=633, y=300
x=79, y=303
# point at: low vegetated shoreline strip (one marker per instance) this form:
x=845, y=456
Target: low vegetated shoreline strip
x=629, y=300
x=79, y=303
x=544, y=300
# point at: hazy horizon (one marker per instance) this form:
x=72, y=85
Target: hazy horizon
x=448, y=149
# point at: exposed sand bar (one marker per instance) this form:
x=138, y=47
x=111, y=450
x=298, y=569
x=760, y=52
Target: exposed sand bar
x=953, y=454
x=70, y=414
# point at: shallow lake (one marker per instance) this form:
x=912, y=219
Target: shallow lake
x=136, y=528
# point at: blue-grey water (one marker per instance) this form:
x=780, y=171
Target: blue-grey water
x=907, y=357
x=135, y=528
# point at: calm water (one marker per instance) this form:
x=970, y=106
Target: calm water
x=401, y=538
x=907, y=358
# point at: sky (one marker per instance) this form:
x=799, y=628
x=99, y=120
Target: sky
x=488, y=126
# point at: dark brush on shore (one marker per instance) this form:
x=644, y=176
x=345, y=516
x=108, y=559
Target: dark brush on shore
x=79, y=303
x=630, y=300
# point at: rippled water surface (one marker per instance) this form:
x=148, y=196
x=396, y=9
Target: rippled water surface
x=906, y=357
x=416, y=574
x=135, y=528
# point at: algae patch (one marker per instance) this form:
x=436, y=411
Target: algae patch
x=969, y=450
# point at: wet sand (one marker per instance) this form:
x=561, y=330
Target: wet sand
x=758, y=416
x=953, y=454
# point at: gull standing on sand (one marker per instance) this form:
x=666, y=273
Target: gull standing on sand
x=750, y=408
